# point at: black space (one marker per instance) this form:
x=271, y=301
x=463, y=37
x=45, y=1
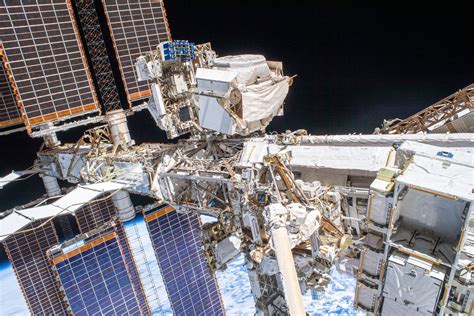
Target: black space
x=355, y=65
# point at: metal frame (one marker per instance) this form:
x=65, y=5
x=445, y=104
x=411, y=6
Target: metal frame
x=435, y=115
x=99, y=59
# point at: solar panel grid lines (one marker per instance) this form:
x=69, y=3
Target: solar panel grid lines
x=9, y=112
x=133, y=270
x=137, y=27
x=94, y=275
x=83, y=54
x=27, y=253
x=46, y=60
x=190, y=284
x=165, y=16
x=97, y=213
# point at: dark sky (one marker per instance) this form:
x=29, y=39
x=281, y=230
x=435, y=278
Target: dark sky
x=355, y=65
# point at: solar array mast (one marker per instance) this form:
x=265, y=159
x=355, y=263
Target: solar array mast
x=64, y=59
x=64, y=62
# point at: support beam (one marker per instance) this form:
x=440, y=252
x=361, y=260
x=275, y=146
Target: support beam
x=276, y=216
x=286, y=265
x=443, y=140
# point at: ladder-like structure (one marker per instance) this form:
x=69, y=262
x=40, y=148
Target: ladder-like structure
x=442, y=112
x=93, y=36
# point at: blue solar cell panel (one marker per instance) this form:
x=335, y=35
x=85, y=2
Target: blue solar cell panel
x=97, y=213
x=190, y=284
x=129, y=260
x=94, y=276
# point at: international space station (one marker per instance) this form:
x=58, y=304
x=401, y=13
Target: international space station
x=393, y=208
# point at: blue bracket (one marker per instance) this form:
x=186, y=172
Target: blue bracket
x=445, y=154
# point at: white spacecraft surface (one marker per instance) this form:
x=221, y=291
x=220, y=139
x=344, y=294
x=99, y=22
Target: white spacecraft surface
x=392, y=209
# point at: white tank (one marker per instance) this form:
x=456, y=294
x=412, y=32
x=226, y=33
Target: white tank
x=124, y=206
x=251, y=68
x=117, y=121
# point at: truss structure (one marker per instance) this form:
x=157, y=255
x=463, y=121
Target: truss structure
x=98, y=55
x=394, y=209
x=441, y=113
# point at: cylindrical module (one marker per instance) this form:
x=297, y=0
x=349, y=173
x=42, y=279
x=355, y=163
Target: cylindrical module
x=51, y=139
x=51, y=186
x=286, y=264
x=125, y=209
x=117, y=121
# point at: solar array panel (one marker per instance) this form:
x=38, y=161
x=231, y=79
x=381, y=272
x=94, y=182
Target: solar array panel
x=46, y=60
x=94, y=276
x=27, y=253
x=130, y=262
x=9, y=113
x=97, y=213
x=137, y=27
x=190, y=284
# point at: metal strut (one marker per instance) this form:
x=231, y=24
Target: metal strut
x=92, y=35
x=439, y=113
